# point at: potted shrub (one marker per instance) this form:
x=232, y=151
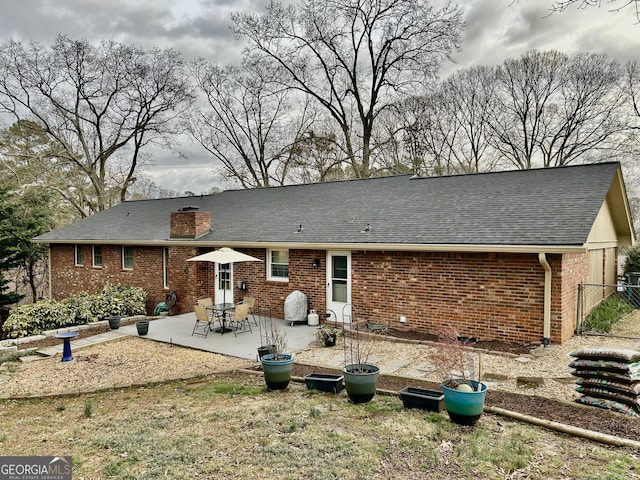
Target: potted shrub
x=463, y=396
x=277, y=366
x=327, y=335
x=360, y=376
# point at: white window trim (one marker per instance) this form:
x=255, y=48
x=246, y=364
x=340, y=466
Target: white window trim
x=75, y=255
x=165, y=267
x=93, y=256
x=122, y=256
x=269, y=276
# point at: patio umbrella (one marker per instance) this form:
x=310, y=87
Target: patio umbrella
x=224, y=256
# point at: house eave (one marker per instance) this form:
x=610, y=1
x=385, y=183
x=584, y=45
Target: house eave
x=412, y=247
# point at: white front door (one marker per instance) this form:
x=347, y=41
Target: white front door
x=339, y=283
x=224, y=283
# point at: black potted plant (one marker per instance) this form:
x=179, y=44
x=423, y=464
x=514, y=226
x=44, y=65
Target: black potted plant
x=463, y=395
x=142, y=326
x=360, y=376
x=114, y=322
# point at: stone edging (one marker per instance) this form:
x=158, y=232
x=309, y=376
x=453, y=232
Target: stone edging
x=11, y=342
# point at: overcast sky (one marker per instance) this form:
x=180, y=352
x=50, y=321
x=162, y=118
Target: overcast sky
x=496, y=30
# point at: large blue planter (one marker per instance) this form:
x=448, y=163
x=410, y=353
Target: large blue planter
x=277, y=373
x=465, y=408
x=360, y=381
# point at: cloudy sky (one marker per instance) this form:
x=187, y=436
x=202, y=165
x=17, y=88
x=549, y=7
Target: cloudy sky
x=496, y=29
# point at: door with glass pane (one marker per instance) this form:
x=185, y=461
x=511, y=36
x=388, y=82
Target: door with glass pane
x=224, y=283
x=338, y=282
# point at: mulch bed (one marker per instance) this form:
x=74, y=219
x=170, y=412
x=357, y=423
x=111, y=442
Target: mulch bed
x=589, y=418
x=491, y=345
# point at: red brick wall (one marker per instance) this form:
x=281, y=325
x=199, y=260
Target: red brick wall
x=485, y=295
x=147, y=273
x=575, y=270
x=302, y=276
x=191, y=224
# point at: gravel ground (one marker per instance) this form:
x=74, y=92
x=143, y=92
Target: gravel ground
x=136, y=360
x=129, y=361
x=499, y=371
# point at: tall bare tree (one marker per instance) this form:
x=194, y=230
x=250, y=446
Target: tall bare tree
x=611, y=5
x=553, y=109
x=248, y=122
x=355, y=58
x=456, y=123
x=527, y=85
x=100, y=106
x=588, y=114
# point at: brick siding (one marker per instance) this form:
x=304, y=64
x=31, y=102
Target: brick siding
x=485, y=295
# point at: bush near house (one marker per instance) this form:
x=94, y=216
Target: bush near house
x=632, y=262
x=76, y=310
x=605, y=315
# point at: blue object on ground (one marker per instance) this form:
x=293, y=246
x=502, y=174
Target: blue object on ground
x=66, y=349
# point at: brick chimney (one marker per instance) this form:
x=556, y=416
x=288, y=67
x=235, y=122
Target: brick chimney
x=189, y=222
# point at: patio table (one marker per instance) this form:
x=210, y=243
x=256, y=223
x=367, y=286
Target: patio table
x=221, y=309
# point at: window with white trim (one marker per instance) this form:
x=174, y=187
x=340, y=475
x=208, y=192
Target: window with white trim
x=96, y=253
x=127, y=257
x=165, y=266
x=278, y=265
x=78, y=255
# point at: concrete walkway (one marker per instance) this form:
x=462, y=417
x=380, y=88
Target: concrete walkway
x=177, y=330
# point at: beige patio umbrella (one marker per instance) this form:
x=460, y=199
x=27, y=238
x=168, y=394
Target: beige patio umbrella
x=224, y=256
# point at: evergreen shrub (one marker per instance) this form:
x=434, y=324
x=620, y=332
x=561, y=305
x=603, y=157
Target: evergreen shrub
x=80, y=309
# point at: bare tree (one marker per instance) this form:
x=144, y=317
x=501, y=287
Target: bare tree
x=100, y=106
x=459, y=117
x=632, y=86
x=527, y=86
x=553, y=109
x=248, y=123
x=317, y=157
x=355, y=58
x=612, y=5
x=444, y=132
x=589, y=113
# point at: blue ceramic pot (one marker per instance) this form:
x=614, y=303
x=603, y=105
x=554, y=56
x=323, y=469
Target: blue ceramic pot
x=277, y=373
x=465, y=408
x=360, y=381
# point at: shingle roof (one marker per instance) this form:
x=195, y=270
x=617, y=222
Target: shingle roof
x=533, y=207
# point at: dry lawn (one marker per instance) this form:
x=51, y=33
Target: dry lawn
x=229, y=426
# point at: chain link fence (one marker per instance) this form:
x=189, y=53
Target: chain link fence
x=602, y=305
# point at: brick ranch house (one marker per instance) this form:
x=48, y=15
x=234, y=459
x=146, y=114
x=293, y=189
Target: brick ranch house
x=498, y=255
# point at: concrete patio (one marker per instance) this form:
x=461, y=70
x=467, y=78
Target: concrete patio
x=177, y=330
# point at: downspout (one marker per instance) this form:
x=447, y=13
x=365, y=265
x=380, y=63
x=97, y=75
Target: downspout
x=49, y=270
x=546, y=329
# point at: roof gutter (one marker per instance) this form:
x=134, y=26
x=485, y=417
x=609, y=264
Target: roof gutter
x=391, y=247
x=546, y=329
